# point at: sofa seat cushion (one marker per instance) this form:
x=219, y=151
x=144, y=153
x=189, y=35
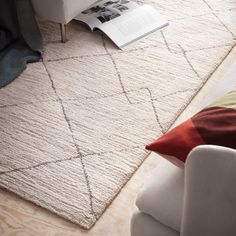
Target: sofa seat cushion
x=145, y=225
x=162, y=195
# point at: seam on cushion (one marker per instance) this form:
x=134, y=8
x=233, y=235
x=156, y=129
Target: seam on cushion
x=158, y=220
x=161, y=223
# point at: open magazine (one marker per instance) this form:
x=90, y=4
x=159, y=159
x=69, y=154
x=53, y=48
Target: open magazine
x=123, y=21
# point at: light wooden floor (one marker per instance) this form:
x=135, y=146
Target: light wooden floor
x=22, y=218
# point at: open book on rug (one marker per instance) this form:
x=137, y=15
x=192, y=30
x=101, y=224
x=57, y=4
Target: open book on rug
x=123, y=21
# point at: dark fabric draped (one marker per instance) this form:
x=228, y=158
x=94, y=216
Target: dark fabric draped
x=20, y=39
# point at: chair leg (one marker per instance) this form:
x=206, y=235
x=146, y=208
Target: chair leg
x=63, y=33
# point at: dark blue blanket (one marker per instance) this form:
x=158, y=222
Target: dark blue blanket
x=20, y=39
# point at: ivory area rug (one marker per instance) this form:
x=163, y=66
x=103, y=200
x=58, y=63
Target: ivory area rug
x=74, y=126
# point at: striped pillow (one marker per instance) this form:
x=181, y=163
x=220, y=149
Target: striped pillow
x=214, y=125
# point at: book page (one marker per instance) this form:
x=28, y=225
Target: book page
x=104, y=11
x=133, y=25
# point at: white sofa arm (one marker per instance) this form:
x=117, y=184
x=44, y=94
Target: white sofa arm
x=210, y=192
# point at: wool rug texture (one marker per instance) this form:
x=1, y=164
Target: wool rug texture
x=74, y=125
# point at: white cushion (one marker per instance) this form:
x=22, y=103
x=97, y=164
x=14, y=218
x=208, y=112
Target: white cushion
x=145, y=225
x=162, y=195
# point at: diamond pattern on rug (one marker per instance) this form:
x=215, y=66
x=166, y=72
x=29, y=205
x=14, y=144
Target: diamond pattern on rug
x=74, y=126
x=32, y=86
x=158, y=67
x=35, y=186
x=217, y=5
x=210, y=57
x=198, y=32
x=80, y=44
x=173, y=11
x=100, y=125
x=32, y=134
x=228, y=18
x=80, y=72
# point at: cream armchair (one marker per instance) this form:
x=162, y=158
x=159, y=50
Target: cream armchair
x=60, y=11
x=199, y=200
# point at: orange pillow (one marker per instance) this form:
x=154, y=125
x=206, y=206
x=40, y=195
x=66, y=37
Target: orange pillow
x=215, y=125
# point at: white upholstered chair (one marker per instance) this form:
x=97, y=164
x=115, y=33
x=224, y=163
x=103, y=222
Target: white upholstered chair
x=197, y=200
x=60, y=11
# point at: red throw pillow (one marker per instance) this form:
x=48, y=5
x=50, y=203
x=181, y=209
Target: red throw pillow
x=214, y=125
